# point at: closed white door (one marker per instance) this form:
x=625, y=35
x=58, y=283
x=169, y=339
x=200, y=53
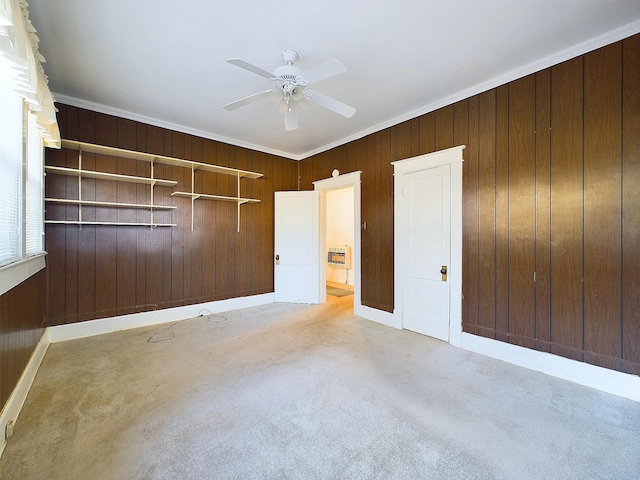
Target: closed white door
x=297, y=254
x=426, y=210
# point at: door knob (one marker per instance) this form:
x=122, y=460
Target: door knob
x=277, y=259
x=443, y=271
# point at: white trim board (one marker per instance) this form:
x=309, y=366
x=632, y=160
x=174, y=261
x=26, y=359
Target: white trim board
x=603, y=379
x=61, y=333
x=15, y=273
x=378, y=316
x=16, y=400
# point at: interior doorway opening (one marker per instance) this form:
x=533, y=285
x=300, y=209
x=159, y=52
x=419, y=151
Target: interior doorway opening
x=339, y=237
x=340, y=227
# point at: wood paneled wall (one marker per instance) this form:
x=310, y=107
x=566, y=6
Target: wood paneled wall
x=103, y=271
x=551, y=220
x=23, y=314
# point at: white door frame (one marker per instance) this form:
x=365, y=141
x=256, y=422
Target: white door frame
x=336, y=183
x=453, y=158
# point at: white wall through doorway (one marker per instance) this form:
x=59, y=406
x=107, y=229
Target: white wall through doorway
x=339, y=232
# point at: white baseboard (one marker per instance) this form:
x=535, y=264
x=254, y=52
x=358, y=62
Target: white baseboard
x=72, y=331
x=604, y=379
x=376, y=315
x=12, y=408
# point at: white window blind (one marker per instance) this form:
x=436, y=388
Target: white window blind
x=34, y=209
x=10, y=172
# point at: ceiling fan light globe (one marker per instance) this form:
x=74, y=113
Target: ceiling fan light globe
x=297, y=94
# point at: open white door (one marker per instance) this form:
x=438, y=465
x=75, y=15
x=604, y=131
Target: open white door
x=297, y=254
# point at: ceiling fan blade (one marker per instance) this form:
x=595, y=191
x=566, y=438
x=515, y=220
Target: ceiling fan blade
x=252, y=68
x=324, y=70
x=291, y=119
x=247, y=100
x=330, y=103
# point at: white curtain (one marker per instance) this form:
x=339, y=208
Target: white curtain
x=19, y=50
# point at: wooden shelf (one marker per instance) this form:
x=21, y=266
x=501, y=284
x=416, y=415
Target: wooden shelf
x=148, y=157
x=129, y=224
x=74, y=172
x=93, y=203
x=152, y=159
x=206, y=196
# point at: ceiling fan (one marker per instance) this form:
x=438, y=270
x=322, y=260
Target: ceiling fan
x=290, y=87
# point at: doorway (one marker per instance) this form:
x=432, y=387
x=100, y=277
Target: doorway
x=336, y=192
x=339, y=237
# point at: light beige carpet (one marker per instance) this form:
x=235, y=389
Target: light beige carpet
x=296, y=391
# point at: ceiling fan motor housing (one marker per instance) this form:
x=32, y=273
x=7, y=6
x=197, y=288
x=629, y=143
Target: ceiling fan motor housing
x=289, y=80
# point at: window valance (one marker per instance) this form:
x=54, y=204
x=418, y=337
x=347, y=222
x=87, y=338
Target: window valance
x=19, y=52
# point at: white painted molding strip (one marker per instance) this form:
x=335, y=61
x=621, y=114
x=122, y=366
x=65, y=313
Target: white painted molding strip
x=17, y=398
x=72, y=331
x=378, y=316
x=603, y=379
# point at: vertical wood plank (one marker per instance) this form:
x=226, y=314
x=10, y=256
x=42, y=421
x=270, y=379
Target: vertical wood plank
x=143, y=195
x=522, y=215
x=87, y=235
x=602, y=208
x=154, y=244
x=567, y=208
x=487, y=214
x=543, y=209
x=197, y=236
x=126, y=237
x=209, y=226
x=630, y=202
x=471, y=205
x=167, y=233
x=222, y=226
x=427, y=139
x=106, y=259
x=71, y=231
x=385, y=221
x=502, y=214
x=461, y=137
x=444, y=127
x=415, y=136
x=179, y=250
x=266, y=265
x=404, y=140
x=261, y=254
x=242, y=243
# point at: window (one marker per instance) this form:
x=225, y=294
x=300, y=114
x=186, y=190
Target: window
x=27, y=123
x=11, y=178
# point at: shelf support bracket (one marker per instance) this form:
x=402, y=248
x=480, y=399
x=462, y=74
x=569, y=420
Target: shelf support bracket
x=151, y=195
x=80, y=189
x=238, y=177
x=193, y=198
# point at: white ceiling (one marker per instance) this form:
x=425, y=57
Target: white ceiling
x=163, y=62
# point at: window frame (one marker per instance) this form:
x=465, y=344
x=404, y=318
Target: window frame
x=16, y=272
